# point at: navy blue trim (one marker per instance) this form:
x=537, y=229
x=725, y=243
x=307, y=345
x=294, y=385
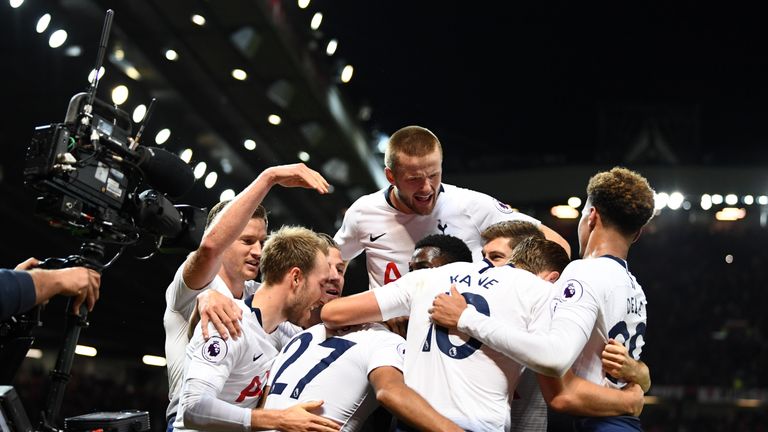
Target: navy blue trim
x=386, y=197
x=256, y=311
x=489, y=265
x=618, y=260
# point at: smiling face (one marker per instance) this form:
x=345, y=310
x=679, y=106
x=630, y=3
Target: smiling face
x=416, y=181
x=309, y=291
x=240, y=261
x=334, y=286
x=497, y=251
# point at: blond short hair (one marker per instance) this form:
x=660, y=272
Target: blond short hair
x=289, y=247
x=410, y=141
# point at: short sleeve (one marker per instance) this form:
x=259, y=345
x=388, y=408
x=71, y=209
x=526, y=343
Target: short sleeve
x=388, y=350
x=485, y=210
x=347, y=237
x=394, y=298
x=179, y=297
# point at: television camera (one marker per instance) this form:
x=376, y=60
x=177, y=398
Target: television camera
x=94, y=178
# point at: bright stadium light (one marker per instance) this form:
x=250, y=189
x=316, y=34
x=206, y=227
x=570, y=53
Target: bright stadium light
x=153, y=360
x=660, y=200
x=730, y=214
x=564, y=212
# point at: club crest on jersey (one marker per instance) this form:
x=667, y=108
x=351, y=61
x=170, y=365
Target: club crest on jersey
x=215, y=349
x=572, y=291
x=504, y=208
x=441, y=226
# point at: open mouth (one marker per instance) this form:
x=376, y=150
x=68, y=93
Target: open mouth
x=332, y=292
x=423, y=198
x=252, y=263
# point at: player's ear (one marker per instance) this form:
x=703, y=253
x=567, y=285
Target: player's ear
x=390, y=175
x=551, y=276
x=593, y=218
x=295, y=277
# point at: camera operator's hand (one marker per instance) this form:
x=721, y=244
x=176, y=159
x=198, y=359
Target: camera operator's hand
x=73, y=281
x=221, y=311
x=29, y=264
x=297, y=175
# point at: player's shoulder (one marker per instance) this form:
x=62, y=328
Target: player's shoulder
x=462, y=195
x=374, y=337
x=376, y=199
x=592, y=268
x=472, y=200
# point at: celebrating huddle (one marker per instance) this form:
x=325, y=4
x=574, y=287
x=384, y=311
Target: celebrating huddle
x=469, y=302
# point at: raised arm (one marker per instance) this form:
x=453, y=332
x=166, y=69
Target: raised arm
x=577, y=396
x=405, y=403
x=203, y=264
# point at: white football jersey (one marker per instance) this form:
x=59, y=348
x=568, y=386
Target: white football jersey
x=179, y=305
x=334, y=368
x=238, y=368
x=461, y=378
x=388, y=236
x=604, y=284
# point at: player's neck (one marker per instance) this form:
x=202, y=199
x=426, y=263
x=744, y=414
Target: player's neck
x=399, y=206
x=607, y=242
x=271, y=300
x=236, y=285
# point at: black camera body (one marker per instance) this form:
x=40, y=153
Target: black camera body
x=88, y=171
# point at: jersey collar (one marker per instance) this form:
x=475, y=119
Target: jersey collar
x=256, y=311
x=621, y=262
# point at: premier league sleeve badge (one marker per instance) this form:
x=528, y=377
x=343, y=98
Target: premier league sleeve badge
x=215, y=350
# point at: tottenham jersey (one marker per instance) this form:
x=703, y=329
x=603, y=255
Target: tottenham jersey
x=238, y=368
x=603, y=284
x=180, y=303
x=388, y=236
x=464, y=380
x=334, y=368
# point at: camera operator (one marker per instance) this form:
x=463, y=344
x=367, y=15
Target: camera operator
x=27, y=286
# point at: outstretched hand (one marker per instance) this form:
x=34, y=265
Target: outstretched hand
x=447, y=309
x=297, y=175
